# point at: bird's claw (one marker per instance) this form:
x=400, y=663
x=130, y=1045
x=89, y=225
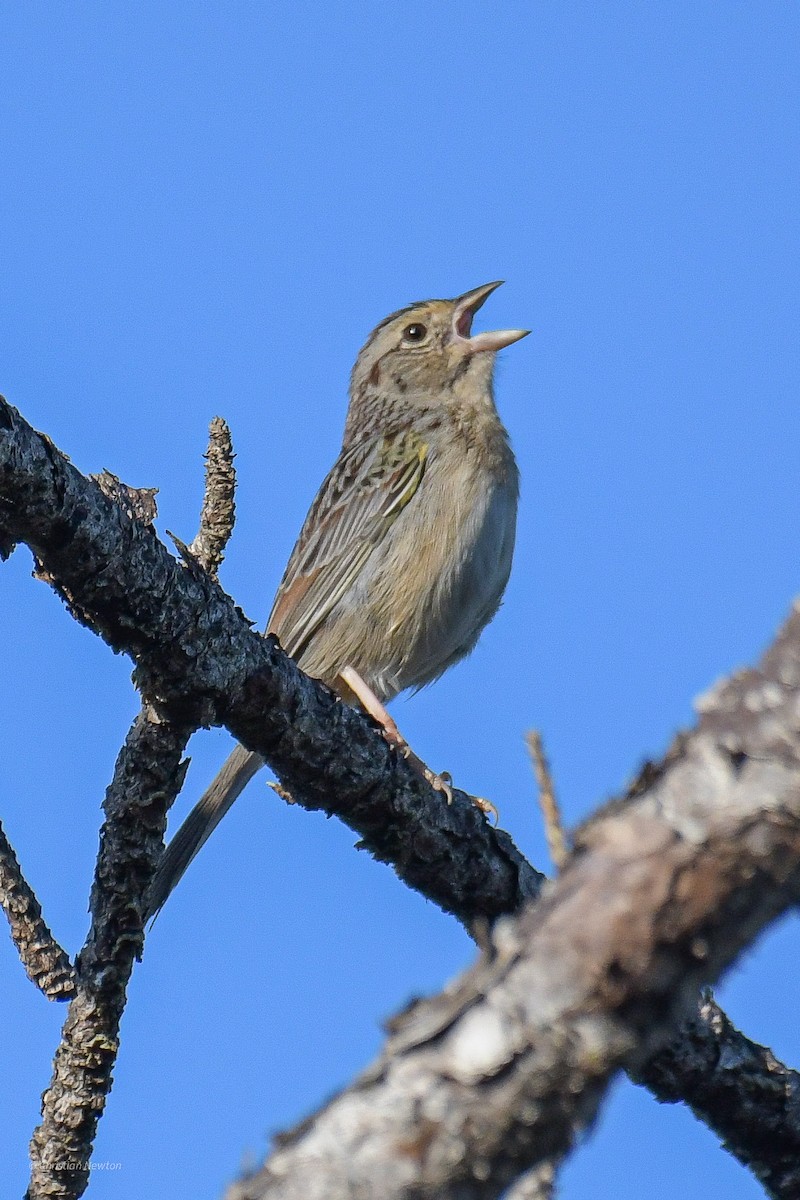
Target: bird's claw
x=486, y=807
x=440, y=781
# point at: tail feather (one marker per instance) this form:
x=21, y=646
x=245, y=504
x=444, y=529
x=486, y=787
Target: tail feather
x=237, y=771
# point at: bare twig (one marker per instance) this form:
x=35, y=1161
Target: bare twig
x=219, y=511
x=553, y=826
x=281, y=791
x=46, y=963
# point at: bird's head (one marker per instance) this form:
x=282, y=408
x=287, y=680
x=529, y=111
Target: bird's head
x=430, y=346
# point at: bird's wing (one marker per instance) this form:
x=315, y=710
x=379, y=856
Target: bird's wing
x=368, y=488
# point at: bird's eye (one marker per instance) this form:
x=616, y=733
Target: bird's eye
x=414, y=333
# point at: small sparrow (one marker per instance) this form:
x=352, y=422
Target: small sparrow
x=406, y=551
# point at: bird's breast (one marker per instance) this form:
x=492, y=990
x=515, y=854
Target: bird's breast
x=447, y=562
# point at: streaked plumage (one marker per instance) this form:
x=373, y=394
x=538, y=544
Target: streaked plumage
x=406, y=551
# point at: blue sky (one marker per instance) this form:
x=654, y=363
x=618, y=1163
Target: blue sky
x=205, y=210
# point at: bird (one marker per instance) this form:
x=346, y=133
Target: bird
x=406, y=550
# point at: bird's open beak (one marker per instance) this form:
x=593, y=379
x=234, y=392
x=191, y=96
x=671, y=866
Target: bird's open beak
x=466, y=307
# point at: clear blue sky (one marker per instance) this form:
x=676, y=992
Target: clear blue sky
x=204, y=209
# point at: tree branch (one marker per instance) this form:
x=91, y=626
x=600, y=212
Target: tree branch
x=664, y=888
x=46, y=963
x=200, y=661
x=219, y=510
x=557, y=842
x=148, y=776
x=711, y=1065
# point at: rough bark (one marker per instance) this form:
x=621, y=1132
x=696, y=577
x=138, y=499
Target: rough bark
x=147, y=778
x=46, y=963
x=663, y=889
x=199, y=662
x=219, y=510
x=714, y=1068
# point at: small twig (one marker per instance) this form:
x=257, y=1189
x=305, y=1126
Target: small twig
x=219, y=511
x=281, y=791
x=46, y=963
x=553, y=825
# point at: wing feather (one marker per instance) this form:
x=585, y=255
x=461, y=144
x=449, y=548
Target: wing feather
x=358, y=502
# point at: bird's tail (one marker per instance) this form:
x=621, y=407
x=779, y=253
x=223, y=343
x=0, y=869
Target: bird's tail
x=237, y=771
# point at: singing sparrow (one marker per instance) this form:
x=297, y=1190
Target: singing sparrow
x=406, y=551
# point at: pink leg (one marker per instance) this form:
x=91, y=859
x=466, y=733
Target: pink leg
x=377, y=710
x=372, y=705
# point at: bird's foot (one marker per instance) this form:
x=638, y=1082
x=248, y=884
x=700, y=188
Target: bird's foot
x=440, y=781
x=281, y=791
x=487, y=808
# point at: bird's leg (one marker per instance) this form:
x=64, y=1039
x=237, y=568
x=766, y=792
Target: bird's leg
x=378, y=711
x=441, y=782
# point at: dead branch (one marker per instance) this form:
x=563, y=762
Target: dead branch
x=46, y=963
x=664, y=888
x=147, y=778
x=218, y=513
x=551, y=813
x=200, y=662
x=710, y=1060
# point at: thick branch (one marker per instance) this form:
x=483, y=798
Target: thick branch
x=200, y=662
x=46, y=963
x=663, y=890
